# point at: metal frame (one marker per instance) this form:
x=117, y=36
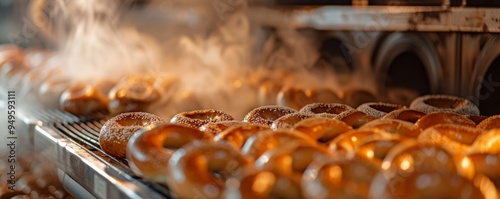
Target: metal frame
x=486, y=57
x=396, y=18
x=83, y=173
x=94, y=176
x=465, y=29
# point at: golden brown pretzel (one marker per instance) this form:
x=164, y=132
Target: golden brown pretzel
x=265, y=184
x=322, y=129
x=238, y=135
x=149, y=151
x=410, y=156
x=292, y=159
x=397, y=127
x=348, y=141
x=201, y=169
x=436, y=118
x=456, y=137
x=492, y=122
x=132, y=94
x=485, y=155
x=215, y=128
x=266, y=115
x=486, y=164
x=329, y=110
x=405, y=114
x=116, y=132
x=354, y=118
x=289, y=162
x=378, y=109
x=431, y=184
x=196, y=119
x=287, y=121
x=488, y=141
x=441, y=103
x=81, y=100
x=340, y=177
x=376, y=148
x=263, y=141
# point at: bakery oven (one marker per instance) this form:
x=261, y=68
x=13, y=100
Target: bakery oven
x=170, y=57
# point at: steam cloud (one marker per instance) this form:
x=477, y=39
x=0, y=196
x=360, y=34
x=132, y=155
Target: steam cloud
x=216, y=62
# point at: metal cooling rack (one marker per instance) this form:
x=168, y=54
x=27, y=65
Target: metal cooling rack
x=71, y=143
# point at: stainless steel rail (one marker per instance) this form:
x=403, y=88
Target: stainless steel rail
x=71, y=144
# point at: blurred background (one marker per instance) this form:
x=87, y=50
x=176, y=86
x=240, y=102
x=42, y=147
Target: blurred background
x=15, y=25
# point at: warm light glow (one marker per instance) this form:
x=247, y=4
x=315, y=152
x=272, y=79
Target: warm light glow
x=488, y=142
x=405, y=165
x=494, y=142
x=354, y=139
x=317, y=128
x=121, y=93
x=262, y=160
x=466, y=162
x=237, y=83
x=263, y=182
x=386, y=165
x=369, y=154
x=284, y=164
x=334, y=174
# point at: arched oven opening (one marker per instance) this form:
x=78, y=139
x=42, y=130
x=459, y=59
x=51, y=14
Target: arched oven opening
x=335, y=53
x=407, y=65
x=407, y=70
x=489, y=93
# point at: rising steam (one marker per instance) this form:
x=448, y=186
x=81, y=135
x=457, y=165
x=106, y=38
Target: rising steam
x=217, y=60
